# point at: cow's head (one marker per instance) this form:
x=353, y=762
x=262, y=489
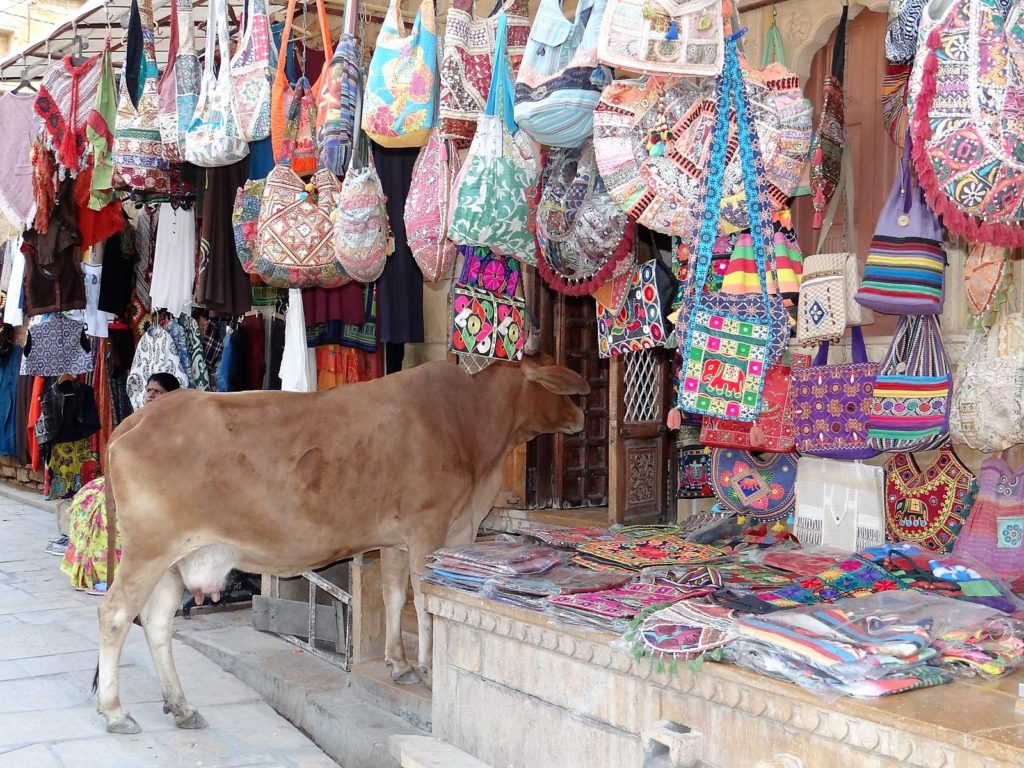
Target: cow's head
x=549, y=389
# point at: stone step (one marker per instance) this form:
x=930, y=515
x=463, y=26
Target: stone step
x=429, y=752
x=372, y=682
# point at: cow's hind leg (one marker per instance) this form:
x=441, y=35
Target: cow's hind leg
x=124, y=600
x=394, y=564
x=157, y=621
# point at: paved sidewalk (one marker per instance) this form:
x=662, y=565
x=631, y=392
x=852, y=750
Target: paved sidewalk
x=48, y=652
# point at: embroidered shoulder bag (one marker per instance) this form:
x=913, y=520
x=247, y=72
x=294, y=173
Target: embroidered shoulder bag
x=487, y=311
x=213, y=139
x=295, y=241
x=725, y=348
x=994, y=532
x=581, y=234
x=178, y=86
x=748, y=485
x=251, y=74
x=829, y=142
x=400, y=100
x=927, y=507
x=426, y=208
x=641, y=323
x=557, y=87
x=466, y=62
x=336, y=108
x=771, y=431
x=910, y=407
x=138, y=154
x=665, y=37
x=492, y=195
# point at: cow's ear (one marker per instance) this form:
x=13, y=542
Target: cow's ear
x=558, y=379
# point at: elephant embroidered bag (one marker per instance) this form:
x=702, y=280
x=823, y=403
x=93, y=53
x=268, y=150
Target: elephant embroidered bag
x=492, y=196
x=760, y=487
x=724, y=355
x=466, y=62
x=771, y=431
x=558, y=86
x=251, y=75
x=426, y=208
x=399, y=101
x=178, y=86
x=487, y=313
x=910, y=406
x=663, y=37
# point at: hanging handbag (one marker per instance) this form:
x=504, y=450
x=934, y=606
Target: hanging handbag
x=829, y=141
x=557, y=87
x=832, y=403
x=281, y=91
x=694, y=463
x=640, y=324
x=138, y=154
x=965, y=123
x=994, y=532
x=749, y=485
x=725, y=348
x=911, y=401
x=839, y=504
x=245, y=218
x=927, y=507
x=336, y=108
x=734, y=268
x=771, y=431
x=426, y=208
x=901, y=30
x=466, y=62
x=663, y=37
x=906, y=261
x=895, y=115
x=300, y=147
x=295, y=241
x=178, y=86
x=400, y=98
x=361, y=230
x=988, y=395
x=251, y=74
x=581, y=234
x=491, y=199
x=487, y=311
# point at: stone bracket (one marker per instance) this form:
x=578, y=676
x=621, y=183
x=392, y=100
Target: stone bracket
x=671, y=745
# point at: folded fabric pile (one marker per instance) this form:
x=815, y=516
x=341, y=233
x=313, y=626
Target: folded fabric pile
x=610, y=610
x=643, y=552
x=715, y=576
x=852, y=577
x=569, y=538
x=686, y=630
x=469, y=567
x=532, y=590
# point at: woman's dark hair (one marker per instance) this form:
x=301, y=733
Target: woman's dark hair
x=166, y=380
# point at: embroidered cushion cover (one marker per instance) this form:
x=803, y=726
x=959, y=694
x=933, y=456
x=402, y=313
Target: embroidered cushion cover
x=663, y=36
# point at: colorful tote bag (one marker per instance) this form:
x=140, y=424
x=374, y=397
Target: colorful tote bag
x=281, y=90
x=734, y=268
x=557, y=90
x=927, y=507
x=251, y=75
x=400, y=99
x=138, y=154
x=213, y=139
x=492, y=195
x=910, y=406
x=245, y=218
x=664, y=37
x=830, y=138
x=178, y=86
x=832, y=404
x=994, y=532
x=295, y=241
x=839, y=504
x=426, y=208
x=906, y=261
x=487, y=313
x=581, y=234
x=771, y=431
x=640, y=324
x=748, y=485
x=966, y=124
x=465, y=75
x=339, y=100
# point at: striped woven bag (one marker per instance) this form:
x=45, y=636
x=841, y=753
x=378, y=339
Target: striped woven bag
x=910, y=409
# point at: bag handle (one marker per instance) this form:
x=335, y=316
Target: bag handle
x=360, y=156
x=291, y=119
x=839, y=51
x=172, y=44
x=916, y=348
x=844, y=189
x=325, y=35
x=859, y=351
x=499, y=95
x=218, y=14
x=774, y=49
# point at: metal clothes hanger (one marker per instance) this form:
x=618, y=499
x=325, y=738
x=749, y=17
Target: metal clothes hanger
x=24, y=83
x=79, y=44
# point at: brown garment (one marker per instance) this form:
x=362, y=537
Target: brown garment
x=223, y=285
x=53, y=268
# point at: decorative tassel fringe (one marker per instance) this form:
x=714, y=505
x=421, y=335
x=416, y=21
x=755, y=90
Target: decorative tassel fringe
x=570, y=287
x=808, y=531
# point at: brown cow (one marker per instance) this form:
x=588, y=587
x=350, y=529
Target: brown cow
x=281, y=483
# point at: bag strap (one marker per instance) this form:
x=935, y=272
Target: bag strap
x=325, y=35
x=291, y=119
x=839, y=51
x=172, y=44
x=359, y=157
x=844, y=189
x=774, y=49
x=499, y=95
x=859, y=351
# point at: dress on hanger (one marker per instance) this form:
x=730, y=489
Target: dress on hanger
x=174, y=260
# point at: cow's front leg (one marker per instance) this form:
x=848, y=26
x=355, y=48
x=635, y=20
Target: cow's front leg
x=425, y=625
x=394, y=565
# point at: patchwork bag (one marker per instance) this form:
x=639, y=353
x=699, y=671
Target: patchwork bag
x=839, y=504
x=426, y=208
x=339, y=100
x=771, y=431
x=487, y=313
x=213, y=139
x=967, y=124
x=251, y=75
x=985, y=273
x=906, y=261
x=901, y=30
x=557, y=87
x=994, y=532
x=469, y=43
x=911, y=402
x=245, y=217
x=663, y=37
x=295, y=240
x=748, y=485
x=640, y=324
x=829, y=142
x=832, y=404
x=178, y=86
x=581, y=234
x=492, y=195
x=927, y=507
x=300, y=146
x=138, y=154
x=399, y=101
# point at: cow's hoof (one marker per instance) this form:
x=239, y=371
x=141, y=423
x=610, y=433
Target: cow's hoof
x=127, y=727
x=192, y=721
x=409, y=677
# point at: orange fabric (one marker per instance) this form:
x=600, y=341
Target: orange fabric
x=337, y=365
x=35, y=409
x=95, y=226
x=281, y=91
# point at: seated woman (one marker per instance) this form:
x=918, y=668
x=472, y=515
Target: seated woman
x=85, y=559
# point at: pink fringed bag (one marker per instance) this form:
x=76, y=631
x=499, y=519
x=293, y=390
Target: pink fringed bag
x=426, y=207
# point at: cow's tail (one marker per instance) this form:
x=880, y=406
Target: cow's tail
x=96, y=678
